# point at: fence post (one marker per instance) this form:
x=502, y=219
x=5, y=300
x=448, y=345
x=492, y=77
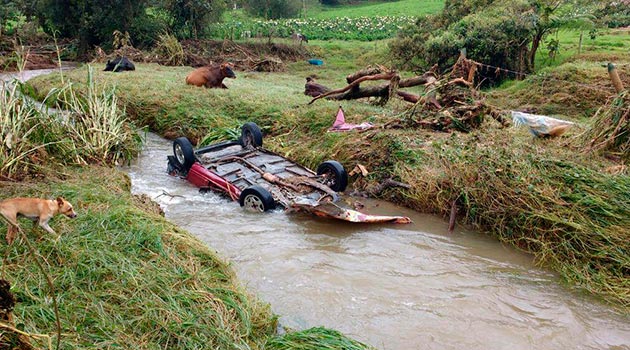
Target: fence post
x=614, y=76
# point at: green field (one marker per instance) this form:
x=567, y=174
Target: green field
x=375, y=8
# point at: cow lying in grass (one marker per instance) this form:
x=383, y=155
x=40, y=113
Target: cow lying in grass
x=211, y=76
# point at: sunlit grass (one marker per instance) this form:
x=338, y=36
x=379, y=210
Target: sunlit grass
x=375, y=8
x=607, y=45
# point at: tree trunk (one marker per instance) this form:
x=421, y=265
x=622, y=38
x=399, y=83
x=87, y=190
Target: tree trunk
x=535, y=45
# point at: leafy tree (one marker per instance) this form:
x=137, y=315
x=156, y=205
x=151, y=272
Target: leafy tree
x=8, y=11
x=550, y=15
x=273, y=9
x=191, y=17
x=91, y=21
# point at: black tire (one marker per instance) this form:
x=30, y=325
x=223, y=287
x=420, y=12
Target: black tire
x=257, y=199
x=336, y=175
x=184, y=153
x=251, y=136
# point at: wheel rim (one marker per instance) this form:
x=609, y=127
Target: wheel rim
x=179, y=154
x=248, y=139
x=254, y=203
x=330, y=179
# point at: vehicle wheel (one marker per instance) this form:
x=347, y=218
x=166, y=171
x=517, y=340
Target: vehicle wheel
x=184, y=153
x=336, y=175
x=257, y=199
x=251, y=136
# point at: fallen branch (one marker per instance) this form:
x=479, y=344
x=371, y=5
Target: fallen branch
x=383, y=76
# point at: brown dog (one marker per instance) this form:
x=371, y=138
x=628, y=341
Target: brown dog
x=38, y=210
x=211, y=76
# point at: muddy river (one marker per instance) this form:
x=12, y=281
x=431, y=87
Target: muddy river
x=393, y=286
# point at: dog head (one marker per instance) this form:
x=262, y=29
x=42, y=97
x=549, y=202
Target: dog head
x=65, y=208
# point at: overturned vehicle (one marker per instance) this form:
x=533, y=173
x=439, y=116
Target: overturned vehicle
x=261, y=180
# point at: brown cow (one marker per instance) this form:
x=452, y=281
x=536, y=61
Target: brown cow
x=211, y=76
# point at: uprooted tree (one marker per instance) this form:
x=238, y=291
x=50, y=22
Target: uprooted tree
x=449, y=101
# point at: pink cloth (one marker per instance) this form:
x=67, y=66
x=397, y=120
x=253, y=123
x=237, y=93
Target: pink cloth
x=341, y=125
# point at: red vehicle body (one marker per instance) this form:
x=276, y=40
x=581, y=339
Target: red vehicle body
x=262, y=180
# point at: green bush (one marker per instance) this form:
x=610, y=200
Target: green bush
x=497, y=34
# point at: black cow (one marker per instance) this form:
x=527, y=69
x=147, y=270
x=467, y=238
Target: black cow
x=119, y=64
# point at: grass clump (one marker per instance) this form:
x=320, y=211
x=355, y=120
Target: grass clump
x=610, y=128
x=170, y=50
x=96, y=127
x=19, y=118
x=314, y=339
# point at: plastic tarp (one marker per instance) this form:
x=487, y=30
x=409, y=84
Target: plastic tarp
x=541, y=125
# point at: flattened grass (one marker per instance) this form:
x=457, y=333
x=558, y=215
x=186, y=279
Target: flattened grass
x=126, y=278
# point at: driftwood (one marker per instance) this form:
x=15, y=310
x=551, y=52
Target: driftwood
x=354, y=91
x=378, y=189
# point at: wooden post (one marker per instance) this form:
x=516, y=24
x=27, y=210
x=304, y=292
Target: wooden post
x=614, y=76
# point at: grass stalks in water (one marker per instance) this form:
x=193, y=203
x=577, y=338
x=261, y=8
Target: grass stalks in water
x=315, y=339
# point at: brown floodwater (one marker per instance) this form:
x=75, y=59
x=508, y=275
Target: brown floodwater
x=393, y=286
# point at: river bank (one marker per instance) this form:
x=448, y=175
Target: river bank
x=545, y=196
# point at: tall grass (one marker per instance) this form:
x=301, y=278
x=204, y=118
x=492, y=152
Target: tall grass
x=94, y=128
x=170, y=49
x=19, y=118
x=610, y=129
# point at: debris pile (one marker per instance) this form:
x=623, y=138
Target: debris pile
x=252, y=56
x=449, y=102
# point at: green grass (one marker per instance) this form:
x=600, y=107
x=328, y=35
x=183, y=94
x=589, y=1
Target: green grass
x=608, y=45
x=375, y=8
x=125, y=278
x=315, y=10
x=368, y=21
